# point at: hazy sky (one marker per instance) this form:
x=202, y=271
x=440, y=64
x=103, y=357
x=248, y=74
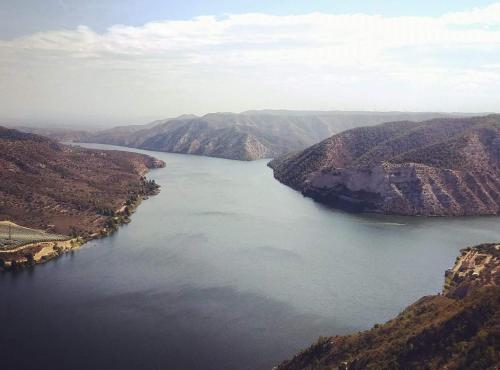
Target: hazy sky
x=113, y=62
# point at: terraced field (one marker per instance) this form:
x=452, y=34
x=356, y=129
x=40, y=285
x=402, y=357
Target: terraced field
x=14, y=236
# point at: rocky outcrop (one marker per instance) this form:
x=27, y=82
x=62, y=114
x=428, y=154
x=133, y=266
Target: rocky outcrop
x=459, y=329
x=441, y=167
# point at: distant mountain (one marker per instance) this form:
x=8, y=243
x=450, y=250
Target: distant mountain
x=245, y=136
x=440, y=167
x=57, y=133
x=67, y=189
x=459, y=329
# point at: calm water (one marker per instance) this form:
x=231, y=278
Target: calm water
x=225, y=269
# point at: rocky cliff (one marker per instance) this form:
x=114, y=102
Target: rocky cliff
x=440, y=167
x=458, y=329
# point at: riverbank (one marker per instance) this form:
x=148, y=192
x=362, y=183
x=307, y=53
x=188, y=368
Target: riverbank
x=28, y=254
x=64, y=196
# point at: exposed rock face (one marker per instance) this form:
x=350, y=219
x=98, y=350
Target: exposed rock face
x=66, y=189
x=245, y=136
x=459, y=329
x=441, y=167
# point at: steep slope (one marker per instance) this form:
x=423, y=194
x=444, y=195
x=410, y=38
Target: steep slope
x=440, y=167
x=459, y=329
x=245, y=136
x=68, y=190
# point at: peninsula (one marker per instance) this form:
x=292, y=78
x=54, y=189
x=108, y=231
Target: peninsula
x=53, y=197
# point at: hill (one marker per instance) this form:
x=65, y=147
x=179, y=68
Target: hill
x=458, y=329
x=245, y=136
x=65, y=189
x=439, y=167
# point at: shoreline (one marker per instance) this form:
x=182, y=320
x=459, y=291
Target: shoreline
x=31, y=254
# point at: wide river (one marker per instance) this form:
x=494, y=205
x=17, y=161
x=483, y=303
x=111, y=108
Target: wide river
x=225, y=269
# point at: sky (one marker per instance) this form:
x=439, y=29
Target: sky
x=108, y=62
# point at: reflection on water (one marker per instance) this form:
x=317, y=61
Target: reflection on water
x=225, y=269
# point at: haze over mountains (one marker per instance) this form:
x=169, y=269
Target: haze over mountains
x=440, y=167
x=244, y=136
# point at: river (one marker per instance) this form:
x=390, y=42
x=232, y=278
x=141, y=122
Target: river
x=225, y=269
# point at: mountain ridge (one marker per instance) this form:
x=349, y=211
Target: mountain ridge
x=246, y=136
x=249, y=135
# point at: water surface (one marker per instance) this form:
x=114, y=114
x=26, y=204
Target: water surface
x=225, y=269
